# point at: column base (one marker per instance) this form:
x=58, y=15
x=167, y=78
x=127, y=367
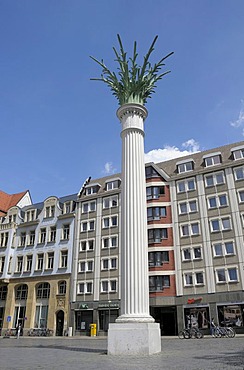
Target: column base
x=134, y=339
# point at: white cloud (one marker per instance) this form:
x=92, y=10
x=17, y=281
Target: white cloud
x=239, y=122
x=109, y=169
x=170, y=152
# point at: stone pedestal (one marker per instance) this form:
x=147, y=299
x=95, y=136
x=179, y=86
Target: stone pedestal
x=134, y=331
x=134, y=339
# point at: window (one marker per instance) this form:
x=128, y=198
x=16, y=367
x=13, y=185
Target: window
x=30, y=215
x=188, y=207
x=158, y=283
x=110, y=202
x=157, y=235
x=109, y=263
x=151, y=172
x=40, y=261
x=110, y=185
x=158, y=258
x=190, y=229
x=213, y=160
x=232, y=274
x=217, y=201
x=110, y=242
x=50, y=260
x=64, y=259
x=215, y=179
x=4, y=239
x=88, y=226
x=192, y=253
x=62, y=287
x=226, y=275
x=32, y=237
x=29, y=262
x=241, y=196
x=87, y=245
x=85, y=287
x=2, y=263
x=43, y=290
x=52, y=237
x=22, y=239
x=188, y=279
x=199, y=278
x=185, y=167
x=186, y=185
x=220, y=224
x=223, y=249
x=108, y=286
x=49, y=211
x=86, y=266
x=41, y=316
x=111, y=221
x=89, y=207
x=67, y=207
x=19, y=267
x=92, y=189
x=155, y=213
x=154, y=192
x=238, y=154
x=21, y=292
x=66, y=232
x=239, y=173
x=42, y=235
x=3, y=292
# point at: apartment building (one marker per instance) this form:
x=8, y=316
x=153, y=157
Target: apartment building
x=96, y=295
x=195, y=214
x=9, y=203
x=207, y=200
x=60, y=259
x=35, y=278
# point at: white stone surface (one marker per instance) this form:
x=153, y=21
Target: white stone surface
x=134, y=332
x=134, y=339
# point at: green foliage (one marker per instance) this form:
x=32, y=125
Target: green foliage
x=134, y=84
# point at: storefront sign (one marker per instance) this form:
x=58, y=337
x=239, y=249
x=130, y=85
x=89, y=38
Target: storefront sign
x=84, y=305
x=194, y=300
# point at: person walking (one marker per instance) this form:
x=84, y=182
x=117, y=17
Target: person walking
x=212, y=327
x=19, y=331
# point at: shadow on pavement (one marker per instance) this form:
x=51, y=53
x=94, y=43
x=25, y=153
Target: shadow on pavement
x=233, y=360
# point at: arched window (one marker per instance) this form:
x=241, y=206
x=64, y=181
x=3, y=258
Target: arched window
x=21, y=292
x=43, y=290
x=62, y=287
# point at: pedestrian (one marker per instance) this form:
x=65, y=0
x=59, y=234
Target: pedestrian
x=19, y=331
x=212, y=327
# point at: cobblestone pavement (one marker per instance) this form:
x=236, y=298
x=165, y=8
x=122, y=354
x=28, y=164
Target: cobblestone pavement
x=90, y=353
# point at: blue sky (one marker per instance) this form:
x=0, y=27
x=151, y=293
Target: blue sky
x=58, y=127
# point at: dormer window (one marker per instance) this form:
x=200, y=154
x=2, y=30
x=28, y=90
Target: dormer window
x=92, y=189
x=151, y=172
x=185, y=166
x=238, y=153
x=111, y=185
x=30, y=215
x=212, y=160
x=49, y=211
x=67, y=207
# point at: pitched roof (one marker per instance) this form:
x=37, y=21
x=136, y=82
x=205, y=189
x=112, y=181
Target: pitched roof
x=9, y=200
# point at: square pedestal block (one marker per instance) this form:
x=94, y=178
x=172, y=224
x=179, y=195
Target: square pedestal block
x=134, y=339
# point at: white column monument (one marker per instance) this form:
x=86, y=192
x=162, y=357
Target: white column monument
x=134, y=332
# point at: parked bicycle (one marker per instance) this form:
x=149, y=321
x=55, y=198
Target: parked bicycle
x=188, y=333
x=224, y=331
x=37, y=332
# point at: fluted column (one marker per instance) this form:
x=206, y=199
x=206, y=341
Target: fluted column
x=134, y=248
